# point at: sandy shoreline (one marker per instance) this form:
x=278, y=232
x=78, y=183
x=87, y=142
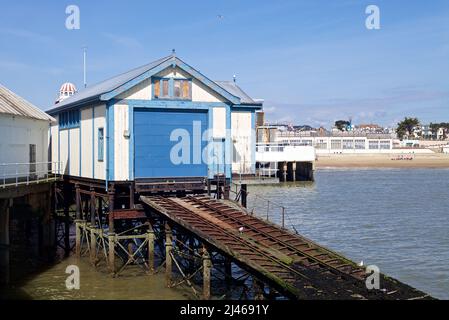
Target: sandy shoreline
x=436, y=160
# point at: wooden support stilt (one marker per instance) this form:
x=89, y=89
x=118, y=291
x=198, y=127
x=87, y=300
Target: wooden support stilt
x=244, y=194
x=208, y=188
x=284, y=170
x=93, y=240
x=67, y=197
x=111, y=195
x=227, y=190
x=168, y=250
x=100, y=212
x=294, y=171
x=78, y=238
x=150, y=235
x=111, y=255
x=78, y=201
x=131, y=196
x=85, y=212
x=258, y=288
x=207, y=265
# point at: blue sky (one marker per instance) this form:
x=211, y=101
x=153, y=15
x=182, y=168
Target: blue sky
x=312, y=61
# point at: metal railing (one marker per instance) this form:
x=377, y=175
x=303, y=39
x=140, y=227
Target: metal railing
x=265, y=207
x=16, y=174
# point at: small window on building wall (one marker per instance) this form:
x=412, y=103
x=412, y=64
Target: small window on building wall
x=100, y=144
x=182, y=89
x=161, y=89
x=69, y=119
x=172, y=89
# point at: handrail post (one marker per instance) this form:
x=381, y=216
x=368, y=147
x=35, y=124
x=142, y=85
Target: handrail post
x=283, y=217
x=268, y=210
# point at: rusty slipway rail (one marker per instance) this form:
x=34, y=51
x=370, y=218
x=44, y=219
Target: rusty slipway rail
x=294, y=265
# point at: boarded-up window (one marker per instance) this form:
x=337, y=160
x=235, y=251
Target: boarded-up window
x=186, y=89
x=177, y=88
x=182, y=89
x=157, y=88
x=165, y=88
x=172, y=89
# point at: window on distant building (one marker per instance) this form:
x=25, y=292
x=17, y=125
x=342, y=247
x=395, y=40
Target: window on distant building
x=321, y=144
x=385, y=144
x=348, y=144
x=307, y=142
x=336, y=144
x=172, y=89
x=100, y=144
x=359, y=144
x=373, y=144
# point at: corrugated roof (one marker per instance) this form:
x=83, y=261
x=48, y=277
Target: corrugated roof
x=11, y=103
x=234, y=89
x=98, y=89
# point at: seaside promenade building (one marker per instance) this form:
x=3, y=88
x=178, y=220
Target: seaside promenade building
x=342, y=142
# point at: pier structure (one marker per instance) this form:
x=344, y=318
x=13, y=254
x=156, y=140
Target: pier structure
x=280, y=263
x=282, y=161
x=132, y=178
x=26, y=182
x=26, y=223
x=285, y=162
x=212, y=245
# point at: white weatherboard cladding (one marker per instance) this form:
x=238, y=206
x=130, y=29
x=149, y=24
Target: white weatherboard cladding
x=100, y=122
x=60, y=149
x=241, y=130
x=74, y=152
x=16, y=135
x=54, y=138
x=219, y=123
x=141, y=91
x=201, y=93
x=86, y=140
x=121, y=143
x=64, y=150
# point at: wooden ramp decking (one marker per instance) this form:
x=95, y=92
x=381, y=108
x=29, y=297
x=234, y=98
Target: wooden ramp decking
x=294, y=265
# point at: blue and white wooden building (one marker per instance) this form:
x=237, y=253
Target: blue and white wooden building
x=129, y=127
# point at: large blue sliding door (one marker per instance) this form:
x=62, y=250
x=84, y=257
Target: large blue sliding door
x=153, y=131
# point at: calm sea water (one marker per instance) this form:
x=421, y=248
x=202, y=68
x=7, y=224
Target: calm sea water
x=397, y=219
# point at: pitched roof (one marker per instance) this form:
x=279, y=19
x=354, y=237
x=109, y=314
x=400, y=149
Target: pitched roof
x=94, y=93
x=235, y=90
x=11, y=103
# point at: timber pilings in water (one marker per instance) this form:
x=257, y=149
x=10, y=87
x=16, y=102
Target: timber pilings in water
x=199, y=241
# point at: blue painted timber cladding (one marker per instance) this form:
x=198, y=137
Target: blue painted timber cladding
x=152, y=145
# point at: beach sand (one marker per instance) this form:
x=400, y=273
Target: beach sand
x=436, y=160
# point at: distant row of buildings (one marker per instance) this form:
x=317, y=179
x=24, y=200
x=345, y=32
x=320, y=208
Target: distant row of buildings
x=421, y=132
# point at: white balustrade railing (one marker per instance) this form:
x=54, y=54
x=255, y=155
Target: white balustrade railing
x=15, y=174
